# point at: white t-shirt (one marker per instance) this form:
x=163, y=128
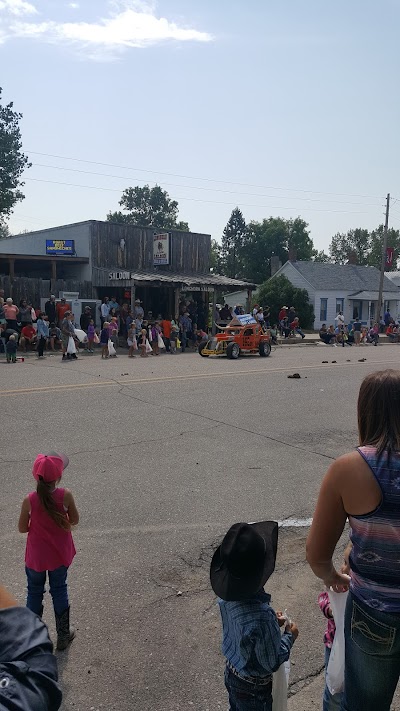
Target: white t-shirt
x=340, y=320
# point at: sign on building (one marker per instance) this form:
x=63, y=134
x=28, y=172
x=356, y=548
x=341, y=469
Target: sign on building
x=161, y=248
x=60, y=247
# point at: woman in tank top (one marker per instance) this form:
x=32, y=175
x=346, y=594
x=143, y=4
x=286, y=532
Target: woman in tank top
x=364, y=486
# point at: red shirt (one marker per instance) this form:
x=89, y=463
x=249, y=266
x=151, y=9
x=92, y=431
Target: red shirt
x=28, y=331
x=282, y=314
x=166, y=327
x=61, y=309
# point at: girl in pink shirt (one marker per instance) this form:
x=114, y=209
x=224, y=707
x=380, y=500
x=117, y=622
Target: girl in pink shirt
x=47, y=516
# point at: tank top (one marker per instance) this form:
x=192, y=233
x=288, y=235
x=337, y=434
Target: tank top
x=47, y=546
x=375, y=558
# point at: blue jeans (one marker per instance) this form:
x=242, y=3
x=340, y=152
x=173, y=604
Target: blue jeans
x=183, y=341
x=244, y=696
x=330, y=702
x=372, y=657
x=58, y=589
x=300, y=332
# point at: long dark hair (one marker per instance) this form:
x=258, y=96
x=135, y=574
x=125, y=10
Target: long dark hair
x=44, y=492
x=379, y=411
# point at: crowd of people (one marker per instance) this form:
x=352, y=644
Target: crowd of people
x=55, y=328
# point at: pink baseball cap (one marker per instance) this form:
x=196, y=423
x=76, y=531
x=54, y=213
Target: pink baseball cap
x=49, y=466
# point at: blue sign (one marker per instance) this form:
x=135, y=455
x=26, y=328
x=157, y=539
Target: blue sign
x=245, y=319
x=60, y=247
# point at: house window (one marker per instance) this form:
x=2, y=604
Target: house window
x=339, y=305
x=372, y=311
x=386, y=307
x=323, y=309
x=357, y=309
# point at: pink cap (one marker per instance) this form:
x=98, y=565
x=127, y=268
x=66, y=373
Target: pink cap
x=49, y=466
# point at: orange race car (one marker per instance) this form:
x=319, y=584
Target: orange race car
x=236, y=340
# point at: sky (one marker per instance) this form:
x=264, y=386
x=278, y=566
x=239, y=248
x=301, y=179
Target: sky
x=281, y=107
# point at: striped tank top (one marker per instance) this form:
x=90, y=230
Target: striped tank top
x=375, y=558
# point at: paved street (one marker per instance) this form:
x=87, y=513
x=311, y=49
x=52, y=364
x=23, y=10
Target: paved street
x=165, y=454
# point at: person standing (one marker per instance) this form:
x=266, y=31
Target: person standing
x=104, y=310
x=11, y=349
x=166, y=329
x=339, y=320
x=50, y=309
x=42, y=334
x=357, y=326
x=387, y=318
x=11, y=312
x=67, y=332
x=185, y=324
x=61, y=309
x=362, y=486
x=25, y=313
x=85, y=318
x=47, y=516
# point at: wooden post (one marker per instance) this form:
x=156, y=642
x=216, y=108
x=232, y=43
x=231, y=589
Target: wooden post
x=214, y=306
x=12, y=270
x=248, y=302
x=176, y=306
x=133, y=289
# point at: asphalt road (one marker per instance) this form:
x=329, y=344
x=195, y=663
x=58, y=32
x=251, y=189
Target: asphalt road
x=166, y=453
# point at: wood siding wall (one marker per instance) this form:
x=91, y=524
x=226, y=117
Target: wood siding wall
x=35, y=289
x=190, y=252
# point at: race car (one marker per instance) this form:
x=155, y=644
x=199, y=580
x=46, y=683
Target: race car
x=236, y=340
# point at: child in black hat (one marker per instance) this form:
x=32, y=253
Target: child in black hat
x=252, y=642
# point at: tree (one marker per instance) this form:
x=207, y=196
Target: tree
x=215, y=257
x=278, y=292
x=12, y=161
x=321, y=256
x=148, y=207
x=365, y=246
x=4, y=231
x=233, y=239
x=274, y=236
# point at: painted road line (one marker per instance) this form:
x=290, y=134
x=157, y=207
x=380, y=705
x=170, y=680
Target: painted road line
x=174, y=378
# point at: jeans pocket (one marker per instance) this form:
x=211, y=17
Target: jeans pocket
x=372, y=636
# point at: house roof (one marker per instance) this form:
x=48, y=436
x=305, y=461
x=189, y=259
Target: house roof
x=346, y=277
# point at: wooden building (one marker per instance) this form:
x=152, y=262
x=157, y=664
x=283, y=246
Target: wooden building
x=101, y=259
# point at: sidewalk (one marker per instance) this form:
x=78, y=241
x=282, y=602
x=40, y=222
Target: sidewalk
x=312, y=339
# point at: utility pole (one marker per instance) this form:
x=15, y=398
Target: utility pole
x=383, y=264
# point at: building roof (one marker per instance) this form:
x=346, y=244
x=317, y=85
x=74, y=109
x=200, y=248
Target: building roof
x=337, y=277
x=191, y=279
x=374, y=296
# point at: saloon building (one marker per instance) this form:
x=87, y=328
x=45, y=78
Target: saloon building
x=94, y=259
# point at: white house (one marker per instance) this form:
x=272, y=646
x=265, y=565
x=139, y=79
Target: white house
x=335, y=287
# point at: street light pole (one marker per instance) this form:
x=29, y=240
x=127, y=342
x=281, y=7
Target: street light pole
x=383, y=263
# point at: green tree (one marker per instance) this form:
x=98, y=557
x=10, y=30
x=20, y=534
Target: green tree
x=233, y=239
x=365, y=246
x=12, y=161
x=4, y=231
x=274, y=236
x=148, y=207
x=278, y=292
x=215, y=257
x=321, y=256
x=345, y=244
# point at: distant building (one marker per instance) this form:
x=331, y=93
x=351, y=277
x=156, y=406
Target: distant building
x=94, y=259
x=350, y=288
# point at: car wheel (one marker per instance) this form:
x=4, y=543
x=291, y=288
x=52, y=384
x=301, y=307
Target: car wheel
x=200, y=349
x=264, y=349
x=233, y=351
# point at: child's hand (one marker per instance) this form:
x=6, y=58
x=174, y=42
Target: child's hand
x=280, y=617
x=293, y=629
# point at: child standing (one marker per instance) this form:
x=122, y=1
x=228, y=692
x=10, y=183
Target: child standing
x=331, y=702
x=90, y=334
x=154, y=330
x=131, y=340
x=47, y=515
x=174, y=335
x=104, y=336
x=11, y=350
x=252, y=642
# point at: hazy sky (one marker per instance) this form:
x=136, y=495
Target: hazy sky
x=279, y=106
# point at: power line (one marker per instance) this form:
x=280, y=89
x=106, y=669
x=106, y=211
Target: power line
x=195, y=187
x=209, y=180
x=213, y=202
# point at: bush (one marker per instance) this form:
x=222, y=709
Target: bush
x=278, y=292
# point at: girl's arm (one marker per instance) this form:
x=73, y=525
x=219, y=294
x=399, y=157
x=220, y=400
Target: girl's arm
x=69, y=504
x=23, y=523
x=327, y=527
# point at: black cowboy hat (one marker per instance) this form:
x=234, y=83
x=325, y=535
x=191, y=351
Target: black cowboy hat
x=245, y=560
